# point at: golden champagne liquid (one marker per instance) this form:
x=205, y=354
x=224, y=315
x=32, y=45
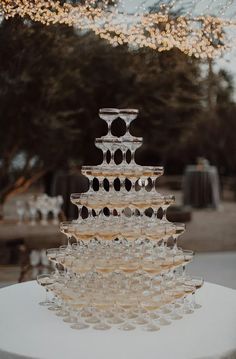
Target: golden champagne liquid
x=85, y=237
x=167, y=264
x=104, y=269
x=52, y=258
x=129, y=269
x=151, y=270
x=179, y=295
x=188, y=290
x=151, y=307
x=141, y=205
x=178, y=260
x=107, y=236
x=101, y=305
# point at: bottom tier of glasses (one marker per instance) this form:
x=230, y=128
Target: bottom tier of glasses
x=124, y=301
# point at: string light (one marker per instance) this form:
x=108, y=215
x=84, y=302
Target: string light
x=201, y=36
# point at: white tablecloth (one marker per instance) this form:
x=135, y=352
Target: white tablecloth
x=30, y=331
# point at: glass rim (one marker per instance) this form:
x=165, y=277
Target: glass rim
x=109, y=109
x=129, y=110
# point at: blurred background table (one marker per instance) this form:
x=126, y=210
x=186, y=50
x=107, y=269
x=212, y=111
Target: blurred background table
x=25, y=245
x=36, y=236
x=28, y=330
x=201, y=187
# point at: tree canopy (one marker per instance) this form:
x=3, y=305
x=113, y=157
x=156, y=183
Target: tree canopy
x=54, y=80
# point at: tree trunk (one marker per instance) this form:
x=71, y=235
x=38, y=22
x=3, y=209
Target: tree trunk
x=21, y=185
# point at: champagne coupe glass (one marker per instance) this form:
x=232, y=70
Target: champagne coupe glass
x=124, y=149
x=102, y=304
x=52, y=256
x=32, y=212
x=134, y=145
x=65, y=294
x=117, y=317
x=188, y=257
x=44, y=211
x=129, y=266
x=179, y=230
x=126, y=303
x=99, y=143
x=177, y=293
x=69, y=298
x=155, y=172
x=169, y=231
x=157, y=201
x=128, y=115
x=56, y=209
x=109, y=115
x=187, y=308
x=45, y=281
x=20, y=208
x=79, y=304
x=114, y=146
x=150, y=305
x=57, y=288
x=80, y=200
x=153, y=267
x=164, y=309
x=43, y=204
x=197, y=283
x=169, y=200
x=68, y=228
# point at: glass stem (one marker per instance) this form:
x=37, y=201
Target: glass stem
x=112, y=157
x=154, y=215
x=104, y=156
x=68, y=241
x=132, y=161
x=164, y=214
x=124, y=155
x=46, y=295
x=91, y=183
x=127, y=129
x=109, y=129
x=153, y=183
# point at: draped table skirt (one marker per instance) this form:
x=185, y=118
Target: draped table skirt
x=28, y=330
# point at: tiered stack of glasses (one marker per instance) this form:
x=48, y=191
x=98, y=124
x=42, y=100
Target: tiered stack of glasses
x=122, y=266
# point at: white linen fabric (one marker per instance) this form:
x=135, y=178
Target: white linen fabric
x=28, y=330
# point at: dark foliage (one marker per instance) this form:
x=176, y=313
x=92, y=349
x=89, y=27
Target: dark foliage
x=54, y=80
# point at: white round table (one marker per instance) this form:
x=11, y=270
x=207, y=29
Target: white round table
x=28, y=330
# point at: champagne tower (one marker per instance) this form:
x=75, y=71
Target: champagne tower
x=122, y=266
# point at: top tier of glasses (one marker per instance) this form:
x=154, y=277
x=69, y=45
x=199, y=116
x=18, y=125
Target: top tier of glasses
x=127, y=115
x=126, y=144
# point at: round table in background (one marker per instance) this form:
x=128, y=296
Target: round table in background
x=28, y=330
x=201, y=187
